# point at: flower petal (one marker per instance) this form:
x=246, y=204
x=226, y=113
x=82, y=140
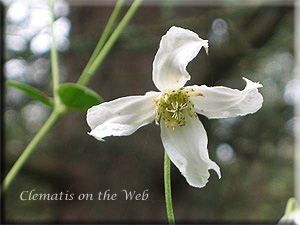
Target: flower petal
x=177, y=48
x=122, y=116
x=294, y=218
x=187, y=148
x=223, y=102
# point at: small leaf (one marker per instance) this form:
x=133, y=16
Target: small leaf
x=31, y=92
x=78, y=97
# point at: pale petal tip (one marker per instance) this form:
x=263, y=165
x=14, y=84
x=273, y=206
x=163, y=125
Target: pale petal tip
x=205, y=45
x=251, y=83
x=216, y=168
x=204, y=42
x=99, y=139
x=198, y=186
x=219, y=173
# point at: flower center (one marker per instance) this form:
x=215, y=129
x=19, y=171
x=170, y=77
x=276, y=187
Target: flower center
x=173, y=106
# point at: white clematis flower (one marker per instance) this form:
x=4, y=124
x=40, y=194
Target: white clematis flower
x=175, y=106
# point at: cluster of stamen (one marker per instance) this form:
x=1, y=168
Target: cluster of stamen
x=173, y=106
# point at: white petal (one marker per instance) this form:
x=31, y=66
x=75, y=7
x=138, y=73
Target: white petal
x=187, y=148
x=122, y=116
x=177, y=48
x=223, y=102
x=294, y=218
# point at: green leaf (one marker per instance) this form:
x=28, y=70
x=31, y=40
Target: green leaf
x=31, y=92
x=78, y=97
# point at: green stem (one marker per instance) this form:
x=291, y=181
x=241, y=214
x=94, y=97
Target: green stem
x=168, y=193
x=59, y=108
x=55, y=115
x=104, y=37
x=111, y=41
x=54, y=58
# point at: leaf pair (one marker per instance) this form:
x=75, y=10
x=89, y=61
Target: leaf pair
x=74, y=96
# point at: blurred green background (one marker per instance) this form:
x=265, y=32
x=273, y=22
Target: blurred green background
x=255, y=152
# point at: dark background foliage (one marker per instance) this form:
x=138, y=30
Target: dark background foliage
x=255, y=152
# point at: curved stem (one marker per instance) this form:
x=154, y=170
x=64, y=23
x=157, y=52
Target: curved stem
x=111, y=41
x=59, y=110
x=104, y=37
x=168, y=193
x=55, y=115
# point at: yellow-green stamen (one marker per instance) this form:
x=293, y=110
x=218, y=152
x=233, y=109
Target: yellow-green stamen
x=173, y=106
